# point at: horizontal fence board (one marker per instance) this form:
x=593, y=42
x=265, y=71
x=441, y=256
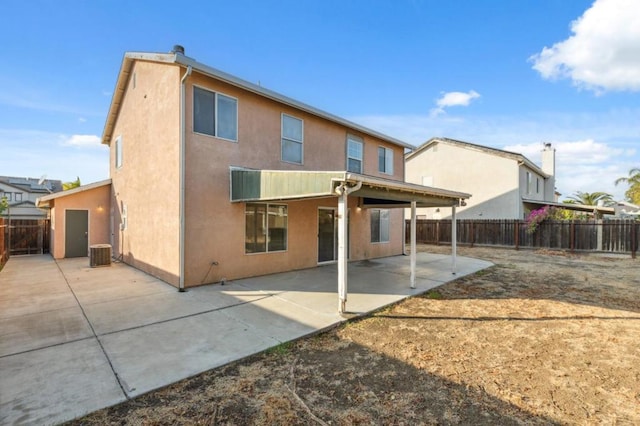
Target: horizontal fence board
x=614, y=236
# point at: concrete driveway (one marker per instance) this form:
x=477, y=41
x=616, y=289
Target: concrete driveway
x=74, y=339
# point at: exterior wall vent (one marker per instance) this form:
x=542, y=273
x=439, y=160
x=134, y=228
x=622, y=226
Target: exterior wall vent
x=177, y=49
x=100, y=255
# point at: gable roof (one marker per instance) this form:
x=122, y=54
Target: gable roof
x=32, y=185
x=44, y=201
x=468, y=145
x=180, y=59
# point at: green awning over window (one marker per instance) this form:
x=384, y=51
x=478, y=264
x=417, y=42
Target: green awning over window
x=268, y=185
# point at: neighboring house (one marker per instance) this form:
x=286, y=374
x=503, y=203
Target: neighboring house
x=505, y=185
x=626, y=210
x=22, y=193
x=214, y=178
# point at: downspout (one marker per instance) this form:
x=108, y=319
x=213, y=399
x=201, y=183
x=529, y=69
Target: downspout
x=182, y=174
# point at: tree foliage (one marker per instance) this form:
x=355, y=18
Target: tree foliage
x=4, y=204
x=70, y=185
x=590, y=198
x=633, y=180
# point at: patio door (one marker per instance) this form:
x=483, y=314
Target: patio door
x=76, y=238
x=328, y=235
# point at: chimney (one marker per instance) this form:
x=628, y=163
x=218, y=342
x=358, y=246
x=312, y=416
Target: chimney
x=549, y=159
x=549, y=167
x=177, y=49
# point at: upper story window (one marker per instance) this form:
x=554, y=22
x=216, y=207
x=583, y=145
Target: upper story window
x=292, y=139
x=215, y=114
x=537, y=185
x=18, y=196
x=354, y=154
x=7, y=195
x=385, y=160
x=118, y=152
x=529, y=182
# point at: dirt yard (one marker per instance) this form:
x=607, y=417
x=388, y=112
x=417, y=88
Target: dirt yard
x=540, y=338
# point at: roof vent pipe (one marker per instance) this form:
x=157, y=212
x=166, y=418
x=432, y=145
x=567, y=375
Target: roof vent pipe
x=177, y=49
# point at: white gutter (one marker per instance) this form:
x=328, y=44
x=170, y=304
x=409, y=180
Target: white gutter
x=182, y=174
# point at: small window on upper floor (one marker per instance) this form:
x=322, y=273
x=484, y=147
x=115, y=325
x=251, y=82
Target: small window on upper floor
x=18, y=196
x=354, y=154
x=385, y=160
x=215, y=114
x=118, y=152
x=529, y=183
x=292, y=139
x=537, y=185
x=7, y=195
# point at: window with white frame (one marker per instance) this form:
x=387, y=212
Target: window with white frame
x=118, y=152
x=379, y=226
x=18, y=196
x=354, y=154
x=292, y=139
x=215, y=114
x=529, y=182
x=537, y=185
x=265, y=228
x=385, y=160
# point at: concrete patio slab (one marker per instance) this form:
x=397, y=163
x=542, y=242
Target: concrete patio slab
x=57, y=383
x=76, y=339
x=154, y=356
x=34, y=331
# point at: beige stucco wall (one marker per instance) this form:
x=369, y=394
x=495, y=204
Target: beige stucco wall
x=96, y=201
x=491, y=180
x=148, y=181
x=216, y=228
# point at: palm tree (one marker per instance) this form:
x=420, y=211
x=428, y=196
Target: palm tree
x=633, y=180
x=70, y=185
x=590, y=198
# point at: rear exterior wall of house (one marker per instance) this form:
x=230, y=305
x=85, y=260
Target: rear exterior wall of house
x=145, y=173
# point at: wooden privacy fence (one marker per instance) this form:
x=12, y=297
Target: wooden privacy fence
x=23, y=236
x=615, y=236
x=4, y=250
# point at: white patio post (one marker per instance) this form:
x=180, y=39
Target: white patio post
x=413, y=244
x=342, y=250
x=454, y=240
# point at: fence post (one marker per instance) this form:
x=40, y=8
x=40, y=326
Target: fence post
x=438, y=233
x=516, y=228
x=634, y=239
x=473, y=234
x=572, y=236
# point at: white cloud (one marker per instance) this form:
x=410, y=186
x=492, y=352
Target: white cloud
x=82, y=141
x=34, y=153
x=450, y=99
x=82, y=120
x=604, y=51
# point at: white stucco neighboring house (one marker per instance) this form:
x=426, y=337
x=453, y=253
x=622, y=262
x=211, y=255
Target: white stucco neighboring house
x=22, y=193
x=503, y=184
x=626, y=210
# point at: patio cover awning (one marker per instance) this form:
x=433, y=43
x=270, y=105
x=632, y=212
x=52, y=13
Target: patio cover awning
x=599, y=211
x=273, y=185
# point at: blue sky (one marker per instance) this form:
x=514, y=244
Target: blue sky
x=506, y=74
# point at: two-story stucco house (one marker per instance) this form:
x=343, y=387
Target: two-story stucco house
x=214, y=178
x=23, y=192
x=505, y=185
